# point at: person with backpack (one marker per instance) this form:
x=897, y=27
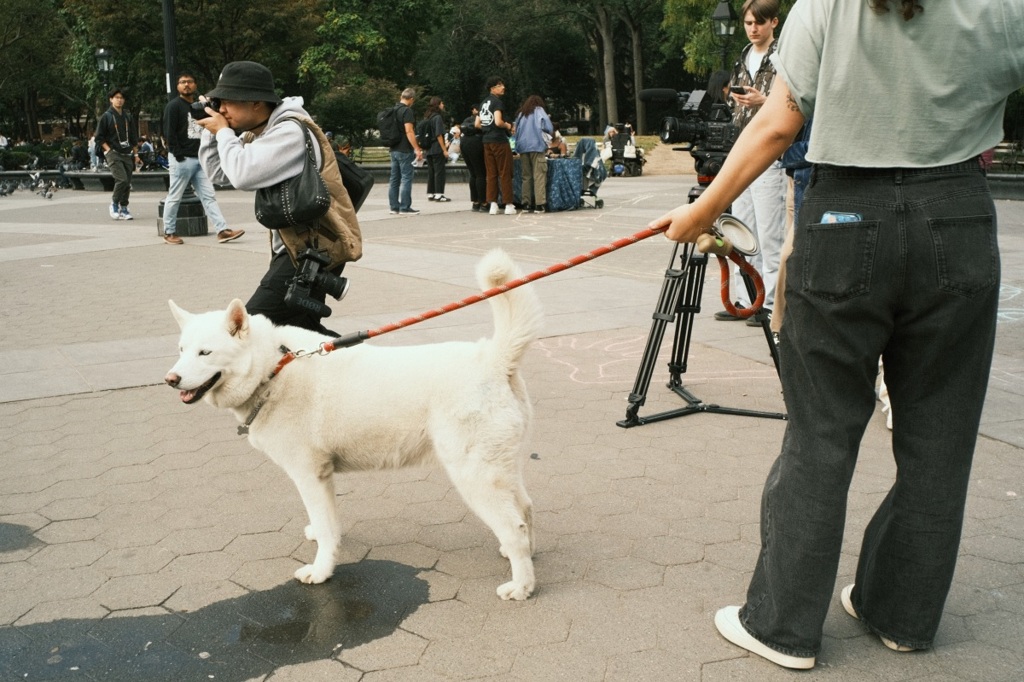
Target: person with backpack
x=254, y=139
x=398, y=133
x=430, y=136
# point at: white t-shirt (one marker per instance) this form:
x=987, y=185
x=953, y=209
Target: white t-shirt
x=754, y=62
x=889, y=93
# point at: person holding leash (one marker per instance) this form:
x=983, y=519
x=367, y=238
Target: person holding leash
x=251, y=141
x=895, y=255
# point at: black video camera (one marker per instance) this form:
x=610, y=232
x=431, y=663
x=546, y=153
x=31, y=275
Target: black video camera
x=704, y=126
x=198, y=108
x=310, y=276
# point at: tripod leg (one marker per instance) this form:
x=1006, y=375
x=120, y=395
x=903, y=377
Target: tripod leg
x=766, y=324
x=688, y=307
x=664, y=313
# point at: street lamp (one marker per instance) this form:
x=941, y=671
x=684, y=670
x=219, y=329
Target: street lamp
x=105, y=64
x=723, y=22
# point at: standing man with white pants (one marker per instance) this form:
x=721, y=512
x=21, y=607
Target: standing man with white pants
x=762, y=206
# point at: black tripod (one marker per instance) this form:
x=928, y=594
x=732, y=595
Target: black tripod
x=679, y=302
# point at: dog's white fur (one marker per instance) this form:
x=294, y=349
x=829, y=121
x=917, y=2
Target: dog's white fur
x=460, y=404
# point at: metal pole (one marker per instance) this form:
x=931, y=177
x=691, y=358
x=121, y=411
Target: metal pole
x=170, y=48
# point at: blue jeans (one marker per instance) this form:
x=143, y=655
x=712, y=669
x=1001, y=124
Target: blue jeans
x=400, y=181
x=182, y=174
x=916, y=281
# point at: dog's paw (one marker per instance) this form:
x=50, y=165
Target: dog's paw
x=502, y=551
x=312, y=575
x=515, y=591
x=309, y=532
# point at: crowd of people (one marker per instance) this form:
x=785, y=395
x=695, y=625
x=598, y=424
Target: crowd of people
x=487, y=141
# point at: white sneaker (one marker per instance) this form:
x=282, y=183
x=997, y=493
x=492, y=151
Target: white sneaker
x=844, y=597
x=126, y=214
x=115, y=212
x=494, y=208
x=727, y=620
x=510, y=209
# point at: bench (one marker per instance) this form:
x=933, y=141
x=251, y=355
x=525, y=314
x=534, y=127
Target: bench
x=103, y=181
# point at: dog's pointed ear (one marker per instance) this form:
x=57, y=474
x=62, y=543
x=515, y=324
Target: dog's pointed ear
x=238, y=319
x=181, y=315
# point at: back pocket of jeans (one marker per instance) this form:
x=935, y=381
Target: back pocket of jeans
x=837, y=259
x=966, y=253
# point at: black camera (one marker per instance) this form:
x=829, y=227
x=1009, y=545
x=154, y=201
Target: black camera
x=704, y=126
x=198, y=108
x=311, y=276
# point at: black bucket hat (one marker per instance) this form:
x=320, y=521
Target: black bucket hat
x=245, y=82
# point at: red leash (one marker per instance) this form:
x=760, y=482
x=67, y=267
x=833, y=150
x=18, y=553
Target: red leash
x=358, y=337
x=723, y=248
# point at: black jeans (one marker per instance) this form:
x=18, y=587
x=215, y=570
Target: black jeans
x=914, y=278
x=436, y=173
x=473, y=155
x=268, y=299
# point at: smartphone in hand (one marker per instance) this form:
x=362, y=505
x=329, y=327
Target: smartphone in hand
x=738, y=89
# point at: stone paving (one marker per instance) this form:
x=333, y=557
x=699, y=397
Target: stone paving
x=141, y=539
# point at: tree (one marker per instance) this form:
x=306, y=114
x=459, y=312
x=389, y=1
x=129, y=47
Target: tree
x=687, y=28
x=637, y=15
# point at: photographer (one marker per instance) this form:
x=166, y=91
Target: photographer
x=183, y=132
x=116, y=137
x=251, y=143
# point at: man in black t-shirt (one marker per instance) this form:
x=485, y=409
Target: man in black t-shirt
x=402, y=155
x=116, y=137
x=497, y=151
x=182, y=134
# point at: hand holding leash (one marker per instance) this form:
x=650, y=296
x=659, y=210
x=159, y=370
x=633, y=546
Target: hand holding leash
x=717, y=243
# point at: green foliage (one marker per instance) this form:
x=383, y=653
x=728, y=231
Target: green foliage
x=687, y=29
x=351, y=109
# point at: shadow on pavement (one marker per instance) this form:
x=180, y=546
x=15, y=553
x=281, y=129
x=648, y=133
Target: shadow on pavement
x=232, y=640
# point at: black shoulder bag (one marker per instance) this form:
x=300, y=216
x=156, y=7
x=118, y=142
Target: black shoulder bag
x=298, y=201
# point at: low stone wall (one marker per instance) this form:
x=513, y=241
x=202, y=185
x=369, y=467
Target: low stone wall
x=103, y=181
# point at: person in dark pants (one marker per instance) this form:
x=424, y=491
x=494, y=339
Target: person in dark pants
x=497, y=150
x=473, y=155
x=252, y=141
x=437, y=152
x=116, y=136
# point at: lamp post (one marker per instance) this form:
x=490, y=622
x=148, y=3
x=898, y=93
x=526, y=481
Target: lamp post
x=105, y=65
x=723, y=22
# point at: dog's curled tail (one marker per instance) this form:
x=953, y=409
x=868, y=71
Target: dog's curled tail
x=517, y=313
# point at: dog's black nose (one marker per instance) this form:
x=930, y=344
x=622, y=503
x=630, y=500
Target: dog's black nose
x=172, y=379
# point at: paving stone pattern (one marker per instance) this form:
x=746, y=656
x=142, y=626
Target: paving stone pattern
x=142, y=539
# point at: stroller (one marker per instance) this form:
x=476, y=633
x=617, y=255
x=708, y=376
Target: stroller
x=626, y=159
x=594, y=171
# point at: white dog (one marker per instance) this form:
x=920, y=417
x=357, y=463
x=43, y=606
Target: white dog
x=463, y=405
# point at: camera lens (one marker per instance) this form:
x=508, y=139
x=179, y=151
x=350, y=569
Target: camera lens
x=334, y=286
